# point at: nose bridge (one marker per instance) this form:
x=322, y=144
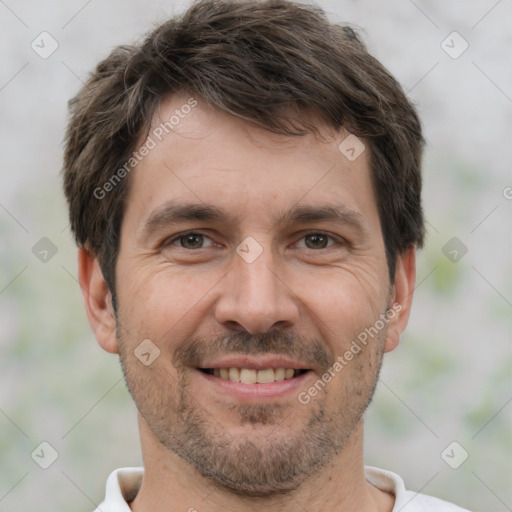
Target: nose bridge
x=257, y=279
x=254, y=296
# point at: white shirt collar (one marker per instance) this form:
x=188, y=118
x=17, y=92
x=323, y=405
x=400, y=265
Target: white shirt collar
x=124, y=483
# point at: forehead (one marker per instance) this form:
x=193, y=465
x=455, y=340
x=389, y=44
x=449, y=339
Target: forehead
x=200, y=155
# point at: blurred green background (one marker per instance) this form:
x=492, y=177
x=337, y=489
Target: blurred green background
x=450, y=379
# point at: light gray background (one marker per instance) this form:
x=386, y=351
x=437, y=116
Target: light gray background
x=450, y=380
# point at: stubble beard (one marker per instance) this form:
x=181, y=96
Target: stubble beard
x=252, y=464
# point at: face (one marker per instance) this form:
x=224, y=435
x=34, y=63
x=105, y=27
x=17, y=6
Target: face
x=252, y=264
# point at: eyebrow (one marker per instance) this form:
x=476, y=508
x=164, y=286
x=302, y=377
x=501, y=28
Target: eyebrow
x=335, y=213
x=174, y=213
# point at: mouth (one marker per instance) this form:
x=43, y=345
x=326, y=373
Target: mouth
x=253, y=376
x=254, y=379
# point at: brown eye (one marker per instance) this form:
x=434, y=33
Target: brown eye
x=188, y=240
x=317, y=241
x=191, y=241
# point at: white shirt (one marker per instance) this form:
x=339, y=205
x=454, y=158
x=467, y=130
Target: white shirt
x=123, y=485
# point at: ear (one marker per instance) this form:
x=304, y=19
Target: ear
x=401, y=297
x=98, y=300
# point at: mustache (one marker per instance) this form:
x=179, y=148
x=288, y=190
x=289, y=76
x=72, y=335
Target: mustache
x=196, y=349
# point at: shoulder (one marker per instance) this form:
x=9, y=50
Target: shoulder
x=405, y=500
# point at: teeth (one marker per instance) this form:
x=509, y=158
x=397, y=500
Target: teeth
x=279, y=374
x=250, y=376
x=265, y=376
x=234, y=375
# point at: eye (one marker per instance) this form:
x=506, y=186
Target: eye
x=317, y=240
x=190, y=240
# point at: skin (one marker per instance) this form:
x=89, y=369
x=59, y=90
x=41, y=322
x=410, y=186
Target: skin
x=304, y=297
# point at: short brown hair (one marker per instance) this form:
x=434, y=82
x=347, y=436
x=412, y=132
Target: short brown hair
x=261, y=61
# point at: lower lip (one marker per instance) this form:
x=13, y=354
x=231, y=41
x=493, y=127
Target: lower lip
x=256, y=391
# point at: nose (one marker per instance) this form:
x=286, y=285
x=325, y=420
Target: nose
x=255, y=298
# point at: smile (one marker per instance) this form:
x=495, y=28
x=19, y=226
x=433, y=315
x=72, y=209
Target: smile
x=252, y=376
x=255, y=384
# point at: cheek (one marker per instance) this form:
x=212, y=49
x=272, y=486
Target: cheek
x=156, y=389
x=343, y=302
x=162, y=303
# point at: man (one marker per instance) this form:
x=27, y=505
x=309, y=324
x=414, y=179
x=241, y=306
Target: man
x=244, y=188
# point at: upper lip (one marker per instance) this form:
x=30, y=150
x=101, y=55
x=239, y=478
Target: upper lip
x=261, y=362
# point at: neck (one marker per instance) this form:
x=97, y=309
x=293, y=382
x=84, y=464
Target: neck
x=169, y=483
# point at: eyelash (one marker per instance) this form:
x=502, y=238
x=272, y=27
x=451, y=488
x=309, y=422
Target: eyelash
x=168, y=242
